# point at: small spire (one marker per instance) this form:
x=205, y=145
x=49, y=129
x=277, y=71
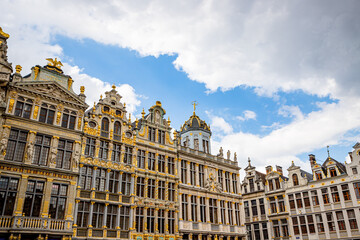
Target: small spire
x=82, y=89
x=328, y=152
x=143, y=113
x=194, y=103
x=101, y=96
x=113, y=86
x=129, y=117
x=249, y=161
x=168, y=121
x=136, y=123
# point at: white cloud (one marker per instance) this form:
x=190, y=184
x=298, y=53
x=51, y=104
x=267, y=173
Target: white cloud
x=247, y=114
x=291, y=111
x=218, y=125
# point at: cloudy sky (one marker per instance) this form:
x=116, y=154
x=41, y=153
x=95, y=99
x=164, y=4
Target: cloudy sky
x=276, y=80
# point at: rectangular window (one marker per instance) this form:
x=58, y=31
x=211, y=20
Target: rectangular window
x=284, y=227
x=234, y=183
x=125, y=183
x=63, y=158
x=116, y=152
x=139, y=219
x=333, y=172
x=346, y=192
x=103, y=150
x=265, y=231
x=183, y=171
x=311, y=223
x=254, y=208
x=249, y=232
x=220, y=178
x=262, y=206
x=90, y=147
x=83, y=212
x=16, y=145
x=295, y=225
x=141, y=159
x=58, y=201
x=306, y=199
x=124, y=217
x=281, y=204
x=161, y=163
x=151, y=161
x=330, y=221
x=184, y=205
x=276, y=228
x=194, y=216
x=325, y=196
x=201, y=175
x=46, y=115
x=161, y=190
x=171, y=222
x=161, y=136
x=251, y=185
x=150, y=220
x=320, y=223
x=335, y=194
x=237, y=214
x=227, y=181
x=291, y=201
x=192, y=174
x=273, y=205
x=202, y=209
x=246, y=208
x=340, y=219
x=314, y=198
x=222, y=211
x=8, y=191
x=171, y=191
x=271, y=185
x=41, y=150
x=357, y=189
x=128, y=155
x=303, y=225
x=100, y=179
x=161, y=221
x=298, y=200
x=33, y=198
x=171, y=165
x=140, y=187
x=98, y=215
x=23, y=109
x=277, y=183
x=151, y=134
x=213, y=210
x=230, y=213
x=111, y=216
x=114, y=182
x=86, y=175
x=205, y=145
x=151, y=188
x=318, y=175
x=352, y=219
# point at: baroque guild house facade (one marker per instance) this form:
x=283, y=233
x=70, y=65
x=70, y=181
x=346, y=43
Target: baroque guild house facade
x=73, y=171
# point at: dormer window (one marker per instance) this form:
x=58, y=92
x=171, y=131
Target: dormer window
x=332, y=172
x=23, y=108
x=152, y=134
x=161, y=137
x=113, y=103
x=318, y=175
x=251, y=184
x=106, y=109
x=277, y=183
x=295, y=179
x=105, y=127
x=271, y=186
x=117, y=130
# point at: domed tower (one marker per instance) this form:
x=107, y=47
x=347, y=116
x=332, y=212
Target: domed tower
x=195, y=133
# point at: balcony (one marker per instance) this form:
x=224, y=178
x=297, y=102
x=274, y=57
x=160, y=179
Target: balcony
x=21, y=223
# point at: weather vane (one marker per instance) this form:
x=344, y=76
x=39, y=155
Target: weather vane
x=194, y=103
x=328, y=151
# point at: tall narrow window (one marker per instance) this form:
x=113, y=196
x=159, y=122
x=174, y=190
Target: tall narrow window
x=58, y=201
x=357, y=189
x=303, y=225
x=254, y=208
x=141, y=159
x=161, y=163
x=352, y=219
x=83, y=212
x=103, y=150
x=86, y=176
x=114, y=181
x=320, y=223
x=237, y=214
x=262, y=206
x=325, y=196
x=340, y=219
x=171, y=191
x=222, y=211
x=33, y=198
x=128, y=155
x=140, y=186
x=213, y=210
x=194, y=216
x=116, y=152
x=171, y=165
x=139, y=219
x=273, y=205
x=23, y=108
x=125, y=183
x=314, y=198
x=335, y=194
x=151, y=134
x=64, y=154
x=16, y=145
x=161, y=137
x=151, y=188
x=295, y=179
x=295, y=223
x=68, y=119
x=184, y=205
x=42, y=148
x=346, y=192
x=271, y=185
x=227, y=181
x=151, y=161
x=105, y=127
x=202, y=209
x=220, y=178
x=171, y=222
x=311, y=223
x=184, y=172
x=276, y=228
x=161, y=221
x=230, y=213
x=47, y=113
x=332, y=171
x=150, y=220
x=265, y=231
x=246, y=209
x=277, y=183
x=306, y=199
x=234, y=183
x=284, y=227
x=98, y=215
x=117, y=131
x=111, y=216
x=8, y=191
x=251, y=185
x=90, y=147
x=281, y=204
x=100, y=179
x=192, y=174
x=299, y=203
x=205, y=146
x=201, y=175
x=330, y=220
x=161, y=190
x=124, y=217
x=291, y=201
x=318, y=175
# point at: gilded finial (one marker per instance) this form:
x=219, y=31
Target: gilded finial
x=4, y=34
x=94, y=106
x=101, y=96
x=168, y=121
x=129, y=117
x=143, y=113
x=194, y=103
x=70, y=82
x=82, y=89
x=175, y=134
x=113, y=86
x=54, y=63
x=124, y=105
x=136, y=123
x=18, y=68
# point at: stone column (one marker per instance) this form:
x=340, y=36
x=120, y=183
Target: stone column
x=146, y=187
x=156, y=215
x=231, y=185
x=21, y=195
x=180, y=206
x=107, y=180
x=132, y=185
x=132, y=222
x=226, y=213
x=53, y=151
x=76, y=210
x=198, y=207
x=91, y=213
x=47, y=197
x=145, y=219
x=166, y=221
x=233, y=213
x=118, y=217
x=104, y=216
x=218, y=210
x=156, y=162
x=111, y=147
x=146, y=159
x=70, y=201
x=238, y=183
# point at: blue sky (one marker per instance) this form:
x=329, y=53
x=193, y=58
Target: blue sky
x=274, y=86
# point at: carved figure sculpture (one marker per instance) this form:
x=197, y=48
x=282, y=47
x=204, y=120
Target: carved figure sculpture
x=53, y=155
x=221, y=152
x=3, y=145
x=75, y=158
x=30, y=151
x=228, y=154
x=235, y=157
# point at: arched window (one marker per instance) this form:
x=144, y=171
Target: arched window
x=47, y=113
x=117, y=131
x=295, y=179
x=23, y=108
x=105, y=127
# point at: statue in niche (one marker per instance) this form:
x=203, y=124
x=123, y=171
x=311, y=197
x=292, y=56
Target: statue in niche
x=157, y=117
x=3, y=145
x=75, y=158
x=196, y=144
x=187, y=141
x=53, y=156
x=221, y=152
x=228, y=154
x=30, y=151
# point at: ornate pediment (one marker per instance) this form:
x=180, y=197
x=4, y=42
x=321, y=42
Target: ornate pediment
x=51, y=90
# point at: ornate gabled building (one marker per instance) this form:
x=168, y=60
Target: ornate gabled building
x=210, y=200
x=40, y=145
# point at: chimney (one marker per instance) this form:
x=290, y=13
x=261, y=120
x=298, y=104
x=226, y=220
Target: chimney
x=312, y=159
x=268, y=169
x=279, y=170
